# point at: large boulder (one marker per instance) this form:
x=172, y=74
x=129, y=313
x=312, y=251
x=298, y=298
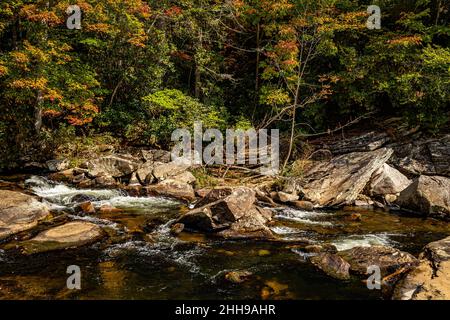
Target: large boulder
x=144, y=173
x=69, y=235
x=430, y=280
x=427, y=195
x=232, y=214
x=388, y=259
x=19, y=212
x=115, y=166
x=387, y=180
x=339, y=181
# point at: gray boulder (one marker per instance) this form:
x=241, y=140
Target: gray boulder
x=115, y=166
x=387, y=180
x=428, y=196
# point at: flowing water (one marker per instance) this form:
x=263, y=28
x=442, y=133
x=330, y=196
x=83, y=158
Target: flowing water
x=142, y=260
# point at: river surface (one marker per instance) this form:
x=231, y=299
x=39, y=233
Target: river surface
x=142, y=260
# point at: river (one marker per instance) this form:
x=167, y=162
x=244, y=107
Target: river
x=141, y=259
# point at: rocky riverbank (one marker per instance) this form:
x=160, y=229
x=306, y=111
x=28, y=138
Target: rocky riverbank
x=381, y=178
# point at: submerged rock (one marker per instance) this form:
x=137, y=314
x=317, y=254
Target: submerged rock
x=339, y=181
x=333, y=265
x=177, y=228
x=430, y=280
x=427, y=195
x=387, y=259
x=69, y=235
x=238, y=276
x=19, y=212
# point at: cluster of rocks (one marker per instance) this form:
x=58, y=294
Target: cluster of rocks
x=152, y=173
x=403, y=277
x=417, y=181
x=229, y=213
x=20, y=212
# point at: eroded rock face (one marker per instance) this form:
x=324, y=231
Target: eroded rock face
x=339, y=181
x=387, y=180
x=333, y=265
x=69, y=235
x=427, y=195
x=388, y=259
x=424, y=156
x=231, y=214
x=430, y=280
x=19, y=212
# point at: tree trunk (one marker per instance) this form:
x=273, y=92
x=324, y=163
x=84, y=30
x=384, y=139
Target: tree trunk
x=197, y=82
x=291, y=139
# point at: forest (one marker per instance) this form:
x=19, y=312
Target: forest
x=136, y=70
x=95, y=203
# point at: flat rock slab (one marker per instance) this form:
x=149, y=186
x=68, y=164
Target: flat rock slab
x=387, y=259
x=339, y=181
x=69, y=235
x=19, y=212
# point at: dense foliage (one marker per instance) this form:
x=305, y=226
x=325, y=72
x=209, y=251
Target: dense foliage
x=138, y=69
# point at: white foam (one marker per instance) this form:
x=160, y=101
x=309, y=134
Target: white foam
x=97, y=221
x=127, y=202
x=59, y=196
x=367, y=240
x=307, y=217
x=281, y=230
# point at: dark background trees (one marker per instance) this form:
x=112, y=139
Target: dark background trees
x=137, y=69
